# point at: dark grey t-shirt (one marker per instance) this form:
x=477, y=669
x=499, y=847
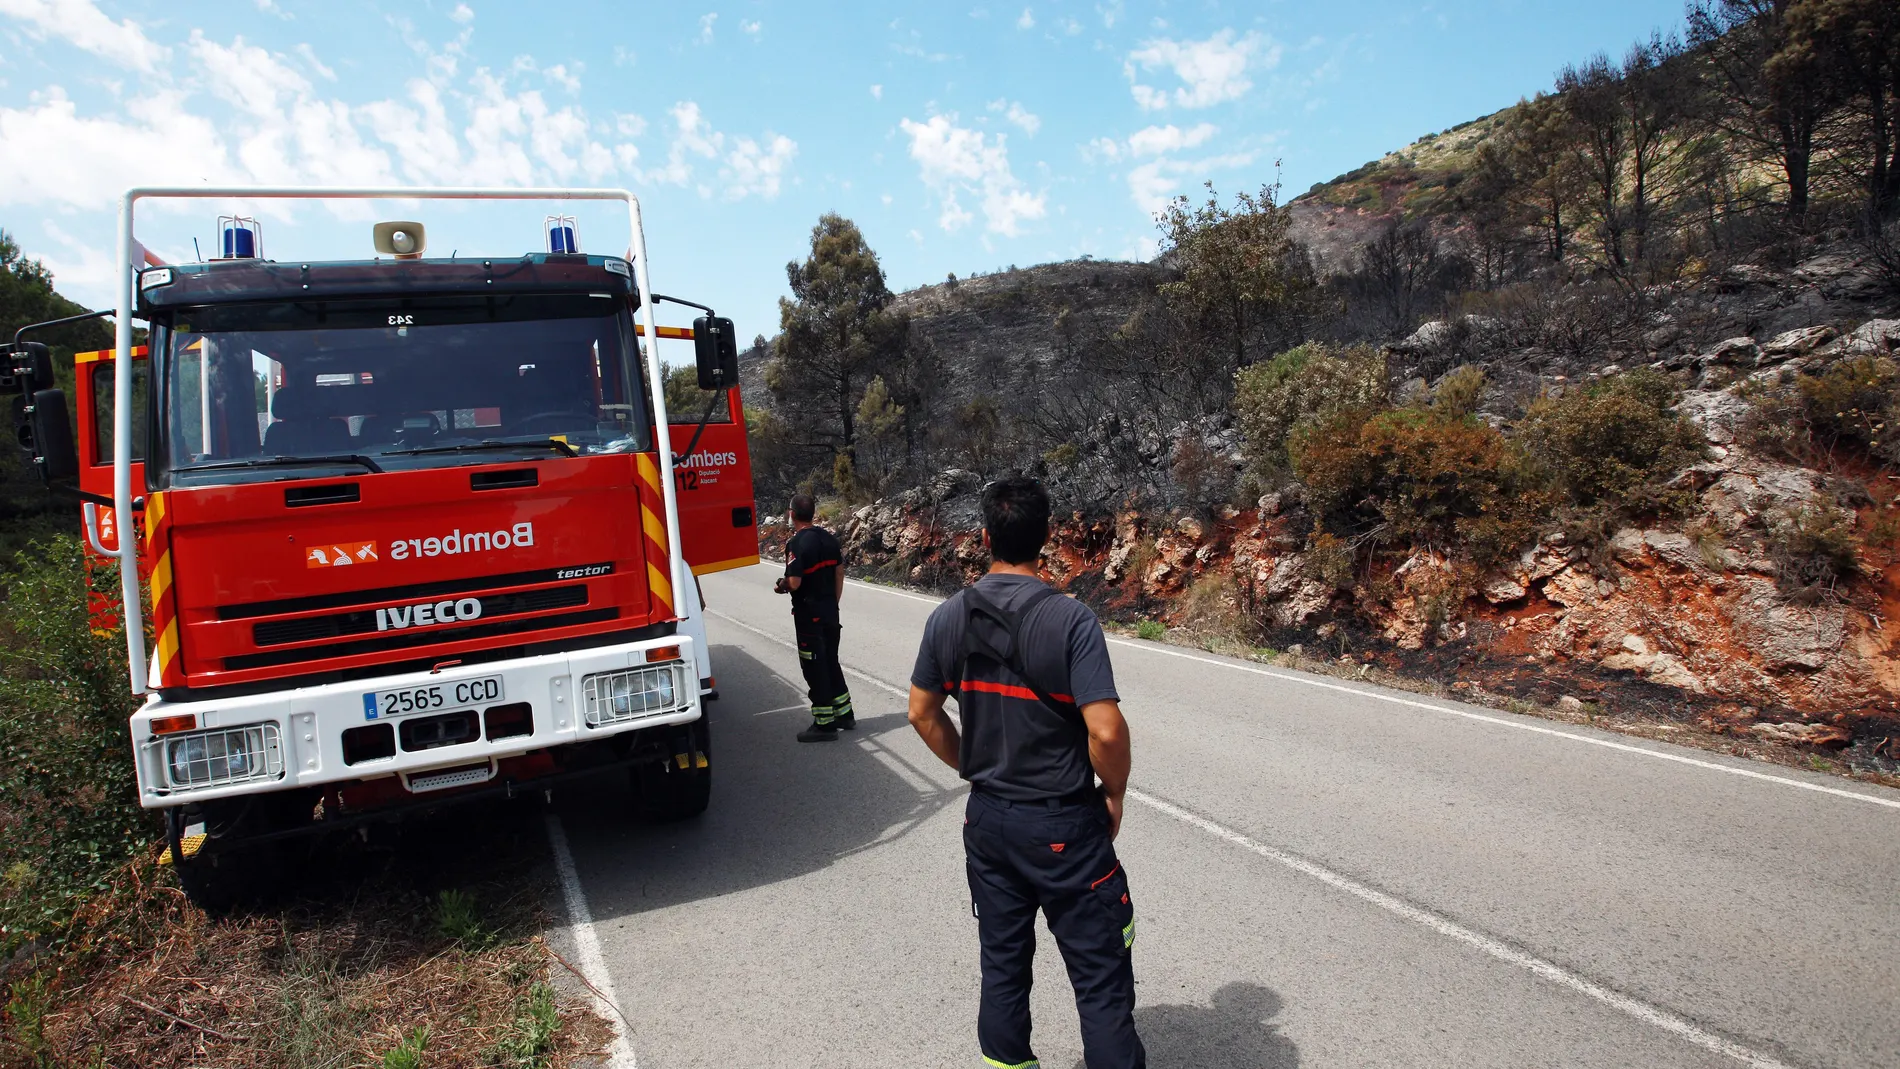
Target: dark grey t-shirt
x=1014, y=745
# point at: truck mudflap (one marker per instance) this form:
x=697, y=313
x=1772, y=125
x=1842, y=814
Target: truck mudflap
x=422, y=733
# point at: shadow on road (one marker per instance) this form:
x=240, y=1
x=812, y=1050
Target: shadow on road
x=780, y=809
x=1235, y=1032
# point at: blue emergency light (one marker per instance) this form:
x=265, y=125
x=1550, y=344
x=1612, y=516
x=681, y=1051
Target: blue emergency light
x=240, y=238
x=561, y=234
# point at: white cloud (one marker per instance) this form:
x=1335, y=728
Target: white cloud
x=1212, y=71
x=624, y=56
x=1155, y=140
x=753, y=168
x=1070, y=27
x=310, y=57
x=706, y=27
x=1154, y=183
x=463, y=14
x=1111, y=13
x=886, y=198
x=1106, y=148
x=1017, y=115
x=87, y=161
x=750, y=27
x=559, y=76
x=1027, y=20
x=80, y=23
x=877, y=92
x=745, y=166
x=269, y=7
x=955, y=161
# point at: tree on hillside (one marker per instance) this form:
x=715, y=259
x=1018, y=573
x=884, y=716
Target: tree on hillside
x=1856, y=46
x=1544, y=179
x=1773, y=97
x=1591, y=96
x=1655, y=98
x=1403, y=272
x=836, y=334
x=1244, y=282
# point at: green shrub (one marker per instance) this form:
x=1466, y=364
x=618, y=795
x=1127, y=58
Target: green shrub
x=69, y=814
x=408, y=1053
x=1417, y=477
x=1614, y=442
x=1854, y=402
x=458, y=918
x=1459, y=392
x=1152, y=630
x=1301, y=386
x=1814, y=548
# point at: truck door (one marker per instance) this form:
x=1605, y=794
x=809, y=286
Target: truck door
x=715, y=486
x=93, y=396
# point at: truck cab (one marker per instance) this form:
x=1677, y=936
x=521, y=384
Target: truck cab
x=405, y=529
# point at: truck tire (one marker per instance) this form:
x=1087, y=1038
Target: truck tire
x=222, y=883
x=220, y=879
x=668, y=792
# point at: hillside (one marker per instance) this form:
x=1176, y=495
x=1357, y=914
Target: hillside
x=1584, y=403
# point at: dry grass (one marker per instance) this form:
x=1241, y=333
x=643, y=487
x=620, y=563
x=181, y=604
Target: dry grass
x=337, y=981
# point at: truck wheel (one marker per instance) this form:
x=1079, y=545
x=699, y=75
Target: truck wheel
x=667, y=791
x=220, y=880
x=222, y=883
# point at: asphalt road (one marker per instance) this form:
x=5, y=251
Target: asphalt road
x=1324, y=875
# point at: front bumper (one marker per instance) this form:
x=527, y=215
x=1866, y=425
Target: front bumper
x=270, y=742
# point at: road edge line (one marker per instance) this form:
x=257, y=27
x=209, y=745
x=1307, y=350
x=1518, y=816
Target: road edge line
x=1293, y=677
x=1656, y=1016
x=592, y=965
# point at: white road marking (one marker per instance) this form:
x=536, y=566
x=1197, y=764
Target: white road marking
x=580, y=923
x=1672, y=1023
x=1520, y=725
x=1504, y=952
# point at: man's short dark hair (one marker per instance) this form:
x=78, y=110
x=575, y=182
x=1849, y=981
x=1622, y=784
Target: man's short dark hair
x=1016, y=514
x=803, y=508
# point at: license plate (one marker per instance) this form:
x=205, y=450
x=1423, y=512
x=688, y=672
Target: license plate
x=432, y=697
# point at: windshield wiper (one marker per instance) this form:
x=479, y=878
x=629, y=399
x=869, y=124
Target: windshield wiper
x=555, y=444
x=284, y=462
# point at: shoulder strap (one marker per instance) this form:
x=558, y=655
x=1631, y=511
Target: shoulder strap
x=976, y=604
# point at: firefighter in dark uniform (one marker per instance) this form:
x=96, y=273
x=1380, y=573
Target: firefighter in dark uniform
x=814, y=577
x=1042, y=724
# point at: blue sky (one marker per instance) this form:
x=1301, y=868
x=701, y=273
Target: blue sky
x=961, y=136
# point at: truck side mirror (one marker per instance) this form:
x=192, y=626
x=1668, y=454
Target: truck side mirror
x=716, y=347
x=49, y=436
x=26, y=367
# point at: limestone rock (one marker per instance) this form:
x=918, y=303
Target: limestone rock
x=1798, y=342
x=1669, y=671
x=1502, y=589
x=1735, y=352
x=1718, y=414
x=1780, y=634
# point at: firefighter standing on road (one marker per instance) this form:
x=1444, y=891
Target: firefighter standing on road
x=1041, y=721
x=814, y=577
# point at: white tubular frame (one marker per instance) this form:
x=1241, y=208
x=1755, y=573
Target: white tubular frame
x=130, y=255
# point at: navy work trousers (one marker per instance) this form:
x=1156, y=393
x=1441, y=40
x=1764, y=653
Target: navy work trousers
x=1055, y=856
x=818, y=637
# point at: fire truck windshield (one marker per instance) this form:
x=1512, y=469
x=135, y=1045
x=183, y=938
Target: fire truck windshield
x=253, y=391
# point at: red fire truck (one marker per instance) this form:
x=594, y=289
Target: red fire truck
x=413, y=529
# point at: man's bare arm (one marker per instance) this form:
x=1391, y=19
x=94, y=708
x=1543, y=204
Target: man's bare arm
x=934, y=725
x=838, y=595
x=1109, y=753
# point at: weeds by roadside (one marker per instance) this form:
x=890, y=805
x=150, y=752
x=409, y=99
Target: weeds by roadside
x=104, y=963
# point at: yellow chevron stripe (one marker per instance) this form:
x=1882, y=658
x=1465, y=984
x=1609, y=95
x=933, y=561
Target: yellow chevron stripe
x=167, y=649
x=649, y=472
x=154, y=513
x=725, y=565
x=138, y=352
x=654, y=528
x=676, y=333
x=656, y=581
x=161, y=580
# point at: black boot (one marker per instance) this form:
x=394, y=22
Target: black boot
x=819, y=732
x=845, y=722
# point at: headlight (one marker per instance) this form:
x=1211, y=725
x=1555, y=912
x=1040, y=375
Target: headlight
x=218, y=758
x=615, y=697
